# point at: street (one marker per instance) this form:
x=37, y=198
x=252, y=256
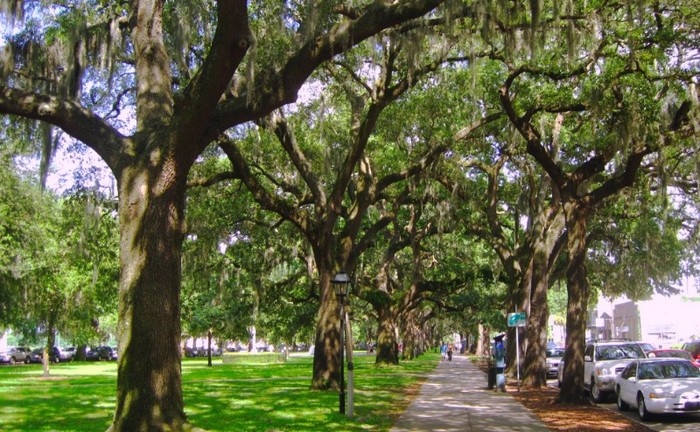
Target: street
x=666, y=423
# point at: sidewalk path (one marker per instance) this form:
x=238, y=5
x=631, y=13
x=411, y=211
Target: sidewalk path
x=456, y=398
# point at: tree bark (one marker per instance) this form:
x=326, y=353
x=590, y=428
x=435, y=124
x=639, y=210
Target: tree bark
x=547, y=230
x=326, y=373
x=151, y=211
x=387, y=345
x=578, y=291
x=412, y=344
x=534, y=365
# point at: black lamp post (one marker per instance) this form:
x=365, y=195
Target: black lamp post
x=340, y=285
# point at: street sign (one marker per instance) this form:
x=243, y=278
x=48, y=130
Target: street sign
x=516, y=319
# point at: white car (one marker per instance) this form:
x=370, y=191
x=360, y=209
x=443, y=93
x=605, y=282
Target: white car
x=603, y=361
x=659, y=386
x=554, y=356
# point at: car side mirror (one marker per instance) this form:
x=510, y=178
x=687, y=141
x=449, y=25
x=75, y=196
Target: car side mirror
x=587, y=358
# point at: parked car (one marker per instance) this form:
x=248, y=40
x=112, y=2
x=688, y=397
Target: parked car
x=202, y=352
x=18, y=355
x=37, y=355
x=69, y=352
x=659, y=386
x=674, y=353
x=57, y=355
x=554, y=357
x=102, y=352
x=646, y=347
x=693, y=347
x=602, y=361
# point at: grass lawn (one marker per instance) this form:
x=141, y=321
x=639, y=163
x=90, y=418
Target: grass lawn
x=241, y=396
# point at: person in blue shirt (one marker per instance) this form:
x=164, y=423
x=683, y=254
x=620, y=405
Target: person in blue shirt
x=499, y=354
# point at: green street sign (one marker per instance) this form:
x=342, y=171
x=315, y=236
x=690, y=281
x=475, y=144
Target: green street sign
x=516, y=319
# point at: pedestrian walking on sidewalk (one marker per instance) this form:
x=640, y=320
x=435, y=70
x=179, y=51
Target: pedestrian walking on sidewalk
x=443, y=350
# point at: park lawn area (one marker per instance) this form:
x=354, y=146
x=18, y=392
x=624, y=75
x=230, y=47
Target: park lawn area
x=80, y=396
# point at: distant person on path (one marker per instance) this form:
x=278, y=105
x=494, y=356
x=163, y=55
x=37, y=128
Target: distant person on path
x=499, y=354
x=443, y=350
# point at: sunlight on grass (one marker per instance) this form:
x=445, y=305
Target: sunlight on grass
x=247, y=397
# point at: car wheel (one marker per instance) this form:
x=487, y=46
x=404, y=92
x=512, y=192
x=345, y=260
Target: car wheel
x=57, y=360
x=596, y=395
x=644, y=415
x=621, y=405
x=12, y=360
x=26, y=360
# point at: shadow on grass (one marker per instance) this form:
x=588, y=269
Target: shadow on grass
x=81, y=396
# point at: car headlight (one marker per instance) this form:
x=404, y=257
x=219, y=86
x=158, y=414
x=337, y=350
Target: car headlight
x=604, y=372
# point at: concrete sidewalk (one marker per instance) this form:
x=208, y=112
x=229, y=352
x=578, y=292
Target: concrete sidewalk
x=456, y=398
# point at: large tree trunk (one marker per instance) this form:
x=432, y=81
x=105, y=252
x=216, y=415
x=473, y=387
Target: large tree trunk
x=327, y=346
x=50, y=342
x=578, y=292
x=151, y=210
x=413, y=345
x=544, y=249
x=387, y=345
x=534, y=366
x=520, y=302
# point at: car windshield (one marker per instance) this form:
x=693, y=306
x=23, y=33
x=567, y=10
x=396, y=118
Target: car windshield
x=622, y=351
x=672, y=369
x=646, y=346
x=555, y=352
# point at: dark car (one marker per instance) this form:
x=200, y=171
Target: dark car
x=674, y=353
x=102, y=352
x=37, y=355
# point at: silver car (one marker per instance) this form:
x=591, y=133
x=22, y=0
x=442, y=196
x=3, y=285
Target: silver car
x=16, y=355
x=554, y=357
x=603, y=361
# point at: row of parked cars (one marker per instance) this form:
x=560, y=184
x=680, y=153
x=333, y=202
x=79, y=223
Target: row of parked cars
x=653, y=381
x=27, y=355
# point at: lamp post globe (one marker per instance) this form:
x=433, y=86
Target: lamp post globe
x=340, y=282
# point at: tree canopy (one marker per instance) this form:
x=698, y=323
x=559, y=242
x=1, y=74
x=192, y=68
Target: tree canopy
x=535, y=132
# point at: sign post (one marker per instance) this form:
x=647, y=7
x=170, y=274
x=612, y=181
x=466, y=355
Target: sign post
x=517, y=319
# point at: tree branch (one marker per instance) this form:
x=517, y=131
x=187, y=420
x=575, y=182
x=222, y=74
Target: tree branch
x=281, y=87
x=73, y=118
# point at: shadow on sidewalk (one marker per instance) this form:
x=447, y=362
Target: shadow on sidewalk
x=455, y=397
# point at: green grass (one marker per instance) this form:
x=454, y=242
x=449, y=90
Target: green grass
x=240, y=396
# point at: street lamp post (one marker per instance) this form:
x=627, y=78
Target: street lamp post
x=340, y=284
